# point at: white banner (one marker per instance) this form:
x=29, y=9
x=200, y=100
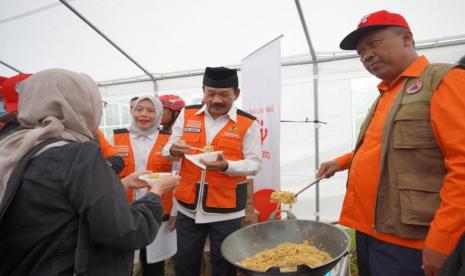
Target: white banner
x=261, y=97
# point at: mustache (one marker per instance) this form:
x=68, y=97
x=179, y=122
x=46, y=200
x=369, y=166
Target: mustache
x=217, y=105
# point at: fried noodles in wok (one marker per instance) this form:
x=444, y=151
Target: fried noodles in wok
x=288, y=255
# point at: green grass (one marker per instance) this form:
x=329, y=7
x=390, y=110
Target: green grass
x=352, y=254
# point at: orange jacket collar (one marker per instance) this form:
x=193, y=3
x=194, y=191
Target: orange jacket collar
x=413, y=70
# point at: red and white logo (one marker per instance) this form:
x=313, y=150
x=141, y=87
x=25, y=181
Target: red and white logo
x=363, y=20
x=415, y=87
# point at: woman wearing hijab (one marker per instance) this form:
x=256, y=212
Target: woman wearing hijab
x=67, y=188
x=140, y=146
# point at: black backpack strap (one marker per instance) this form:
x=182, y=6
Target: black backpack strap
x=81, y=256
x=15, y=179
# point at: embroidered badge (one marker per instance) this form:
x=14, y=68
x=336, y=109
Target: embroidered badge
x=232, y=132
x=363, y=21
x=193, y=123
x=233, y=129
x=414, y=87
x=123, y=151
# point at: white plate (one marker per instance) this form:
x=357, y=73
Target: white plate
x=153, y=181
x=207, y=156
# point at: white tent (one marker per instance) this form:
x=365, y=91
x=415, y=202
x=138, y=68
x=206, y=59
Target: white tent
x=175, y=39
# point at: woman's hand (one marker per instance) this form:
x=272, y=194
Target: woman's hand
x=132, y=181
x=165, y=184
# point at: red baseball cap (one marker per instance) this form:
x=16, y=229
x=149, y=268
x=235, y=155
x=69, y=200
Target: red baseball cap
x=2, y=79
x=172, y=102
x=9, y=93
x=376, y=20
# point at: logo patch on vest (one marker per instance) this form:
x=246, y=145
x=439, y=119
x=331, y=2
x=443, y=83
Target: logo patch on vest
x=415, y=87
x=233, y=129
x=193, y=124
x=123, y=151
x=232, y=132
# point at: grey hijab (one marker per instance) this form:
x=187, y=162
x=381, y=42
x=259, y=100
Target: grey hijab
x=53, y=103
x=135, y=129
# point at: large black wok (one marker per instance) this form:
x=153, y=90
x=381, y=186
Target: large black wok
x=248, y=241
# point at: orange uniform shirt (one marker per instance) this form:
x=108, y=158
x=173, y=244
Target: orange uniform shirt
x=107, y=149
x=448, y=122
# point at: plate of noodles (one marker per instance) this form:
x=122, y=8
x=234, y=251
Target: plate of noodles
x=207, y=156
x=152, y=178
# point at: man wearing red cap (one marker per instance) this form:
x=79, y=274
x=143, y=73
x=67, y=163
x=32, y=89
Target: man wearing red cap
x=172, y=105
x=3, y=113
x=406, y=186
x=9, y=95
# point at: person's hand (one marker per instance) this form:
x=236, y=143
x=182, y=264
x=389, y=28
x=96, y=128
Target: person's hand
x=328, y=169
x=165, y=184
x=172, y=223
x=132, y=181
x=432, y=261
x=220, y=164
x=179, y=148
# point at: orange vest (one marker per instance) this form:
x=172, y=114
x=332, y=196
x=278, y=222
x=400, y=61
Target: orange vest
x=107, y=149
x=156, y=162
x=222, y=193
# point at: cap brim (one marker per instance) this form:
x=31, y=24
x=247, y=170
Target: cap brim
x=11, y=107
x=350, y=41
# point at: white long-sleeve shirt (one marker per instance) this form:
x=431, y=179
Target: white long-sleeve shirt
x=141, y=147
x=250, y=165
x=164, y=245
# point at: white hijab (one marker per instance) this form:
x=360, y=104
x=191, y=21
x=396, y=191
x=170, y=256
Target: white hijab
x=53, y=103
x=135, y=129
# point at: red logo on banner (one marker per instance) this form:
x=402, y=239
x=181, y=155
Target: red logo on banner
x=261, y=202
x=263, y=131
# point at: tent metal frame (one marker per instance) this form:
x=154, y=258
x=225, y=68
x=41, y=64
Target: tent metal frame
x=315, y=104
x=300, y=60
x=10, y=66
x=312, y=58
x=78, y=14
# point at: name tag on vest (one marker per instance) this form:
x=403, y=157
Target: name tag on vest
x=192, y=129
x=123, y=151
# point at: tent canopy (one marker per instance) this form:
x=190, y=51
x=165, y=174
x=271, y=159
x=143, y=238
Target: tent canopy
x=185, y=36
x=176, y=35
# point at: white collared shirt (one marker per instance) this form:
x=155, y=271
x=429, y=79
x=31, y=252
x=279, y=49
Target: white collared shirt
x=141, y=147
x=250, y=165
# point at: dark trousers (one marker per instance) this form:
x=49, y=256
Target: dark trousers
x=191, y=239
x=379, y=258
x=455, y=263
x=155, y=269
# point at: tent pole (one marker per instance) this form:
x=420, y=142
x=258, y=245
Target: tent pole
x=315, y=106
x=11, y=67
x=71, y=8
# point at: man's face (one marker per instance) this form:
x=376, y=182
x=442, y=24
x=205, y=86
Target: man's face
x=383, y=52
x=219, y=100
x=167, y=116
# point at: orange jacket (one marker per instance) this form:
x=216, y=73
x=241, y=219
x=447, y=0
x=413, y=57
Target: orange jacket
x=107, y=149
x=222, y=194
x=447, y=112
x=156, y=162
